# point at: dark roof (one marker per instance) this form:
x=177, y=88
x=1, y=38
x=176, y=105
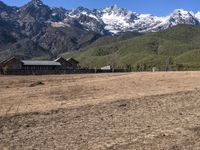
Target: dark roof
x=2, y=63
x=40, y=63
x=69, y=60
x=6, y=60
x=72, y=59
x=60, y=58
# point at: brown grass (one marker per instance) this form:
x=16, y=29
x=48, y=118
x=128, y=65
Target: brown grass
x=101, y=111
x=66, y=91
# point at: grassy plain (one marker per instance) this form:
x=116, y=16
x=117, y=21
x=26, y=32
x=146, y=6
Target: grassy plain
x=101, y=111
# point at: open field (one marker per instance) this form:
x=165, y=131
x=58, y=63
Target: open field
x=101, y=111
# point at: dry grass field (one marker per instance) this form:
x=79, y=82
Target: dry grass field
x=136, y=111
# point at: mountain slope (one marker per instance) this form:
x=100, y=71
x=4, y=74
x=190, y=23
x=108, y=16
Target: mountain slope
x=152, y=49
x=61, y=40
x=25, y=49
x=33, y=21
x=57, y=30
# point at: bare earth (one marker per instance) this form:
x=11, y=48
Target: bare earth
x=135, y=111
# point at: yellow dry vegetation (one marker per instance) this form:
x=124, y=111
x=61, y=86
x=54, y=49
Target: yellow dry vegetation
x=66, y=91
x=140, y=111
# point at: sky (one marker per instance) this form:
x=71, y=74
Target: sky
x=155, y=7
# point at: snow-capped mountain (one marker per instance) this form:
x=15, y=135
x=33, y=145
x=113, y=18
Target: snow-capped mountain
x=114, y=20
x=118, y=19
x=181, y=16
x=90, y=20
x=57, y=30
x=110, y=20
x=197, y=15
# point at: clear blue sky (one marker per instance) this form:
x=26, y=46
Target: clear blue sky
x=155, y=7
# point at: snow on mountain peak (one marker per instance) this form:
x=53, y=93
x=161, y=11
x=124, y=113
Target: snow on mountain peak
x=113, y=8
x=180, y=11
x=180, y=16
x=78, y=12
x=118, y=19
x=197, y=15
x=117, y=11
x=37, y=2
x=115, y=19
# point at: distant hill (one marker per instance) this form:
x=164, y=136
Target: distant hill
x=112, y=35
x=37, y=31
x=175, y=48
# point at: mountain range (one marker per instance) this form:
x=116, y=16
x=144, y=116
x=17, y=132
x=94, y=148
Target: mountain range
x=176, y=48
x=116, y=20
x=37, y=31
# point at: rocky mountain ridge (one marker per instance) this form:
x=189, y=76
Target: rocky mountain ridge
x=58, y=30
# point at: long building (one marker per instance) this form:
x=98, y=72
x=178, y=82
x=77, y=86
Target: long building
x=14, y=65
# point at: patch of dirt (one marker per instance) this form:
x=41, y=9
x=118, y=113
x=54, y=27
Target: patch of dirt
x=101, y=111
x=152, y=122
x=37, y=83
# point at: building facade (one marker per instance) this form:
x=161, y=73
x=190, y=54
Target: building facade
x=14, y=65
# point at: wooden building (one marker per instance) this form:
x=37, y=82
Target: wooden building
x=69, y=63
x=74, y=63
x=11, y=63
x=37, y=67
